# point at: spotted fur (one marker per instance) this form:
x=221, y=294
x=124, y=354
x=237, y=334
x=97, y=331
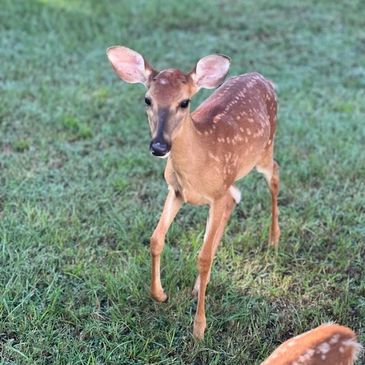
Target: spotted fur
x=328, y=344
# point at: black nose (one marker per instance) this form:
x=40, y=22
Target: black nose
x=159, y=148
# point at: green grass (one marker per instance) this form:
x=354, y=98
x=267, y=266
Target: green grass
x=80, y=194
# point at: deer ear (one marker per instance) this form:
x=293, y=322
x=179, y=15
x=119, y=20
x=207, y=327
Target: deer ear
x=129, y=65
x=210, y=71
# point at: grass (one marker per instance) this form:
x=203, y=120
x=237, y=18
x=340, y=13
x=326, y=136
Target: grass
x=80, y=195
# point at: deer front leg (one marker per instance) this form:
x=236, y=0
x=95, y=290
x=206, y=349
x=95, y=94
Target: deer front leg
x=172, y=205
x=219, y=213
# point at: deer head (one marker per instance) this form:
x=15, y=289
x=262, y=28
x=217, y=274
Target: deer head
x=169, y=91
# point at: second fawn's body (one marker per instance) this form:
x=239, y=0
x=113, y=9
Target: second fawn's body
x=328, y=344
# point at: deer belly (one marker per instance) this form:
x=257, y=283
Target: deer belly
x=206, y=188
x=245, y=170
x=193, y=197
x=249, y=156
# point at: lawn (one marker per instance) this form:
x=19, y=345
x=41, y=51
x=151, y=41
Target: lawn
x=80, y=194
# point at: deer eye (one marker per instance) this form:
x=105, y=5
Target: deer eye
x=184, y=103
x=147, y=101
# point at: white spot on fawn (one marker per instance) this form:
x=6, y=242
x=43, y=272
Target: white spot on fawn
x=236, y=194
x=334, y=339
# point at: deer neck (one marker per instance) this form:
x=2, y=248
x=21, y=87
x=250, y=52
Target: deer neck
x=187, y=147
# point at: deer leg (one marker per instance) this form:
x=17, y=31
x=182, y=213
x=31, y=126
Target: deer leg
x=219, y=213
x=274, y=188
x=236, y=195
x=270, y=169
x=171, y=207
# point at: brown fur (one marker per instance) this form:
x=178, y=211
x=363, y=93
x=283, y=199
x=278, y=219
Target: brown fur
x=222, y=141
x=227, y=136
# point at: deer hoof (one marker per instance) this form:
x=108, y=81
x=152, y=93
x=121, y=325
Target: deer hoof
x=160, y=297
x=199, y=329
x=274, y=237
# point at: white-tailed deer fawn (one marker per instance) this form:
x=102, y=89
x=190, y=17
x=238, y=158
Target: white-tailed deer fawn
x=329, y=344
x=208, y=150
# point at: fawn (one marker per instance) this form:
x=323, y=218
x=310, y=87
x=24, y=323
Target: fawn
x=207, y=150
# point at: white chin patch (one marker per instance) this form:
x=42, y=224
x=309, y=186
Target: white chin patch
x=164, y=156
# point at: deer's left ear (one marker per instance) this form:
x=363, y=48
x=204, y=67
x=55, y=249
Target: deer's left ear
x=210, y=71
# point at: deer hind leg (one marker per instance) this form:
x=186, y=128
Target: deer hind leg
x=171, y=207
x=270, y=169
x=219, y=213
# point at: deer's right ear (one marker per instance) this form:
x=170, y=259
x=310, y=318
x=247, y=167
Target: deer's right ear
x=129, y=65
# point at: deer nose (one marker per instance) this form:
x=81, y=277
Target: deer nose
x=159, y=149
